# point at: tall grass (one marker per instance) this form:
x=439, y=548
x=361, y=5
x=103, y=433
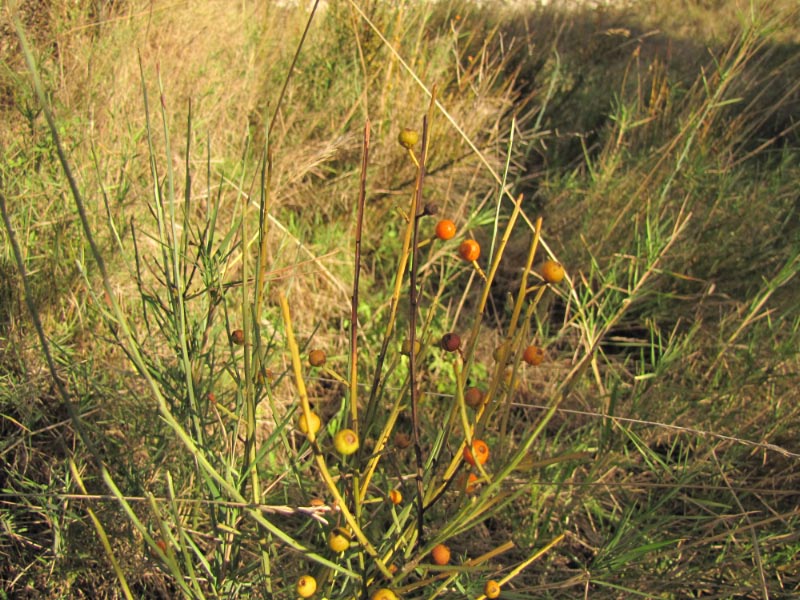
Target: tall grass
x=237, y=198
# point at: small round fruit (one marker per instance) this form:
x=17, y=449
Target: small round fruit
x=430, y=209
x=384, y=594
x=406, y=348
x=310, y=425
x=491, y=589
x=552, y=271
x=469, y=250
x=402, y=440
x=479, y=453
x=473, y=397
x=338, y=539
x=265, y=376
x=440, y=554
x=472, y=483
x=508, y=379
x=450, y=342
x=306, y=586
x=499, y=351
x=237, y=336
x=533, y=355
x=445, y=229
x=345, y=441
x=212, y=398
x=316, y=358
x=395, y=496
x=162, y=545
x=408, y=138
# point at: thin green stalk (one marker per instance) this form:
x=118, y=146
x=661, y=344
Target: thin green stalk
x=133, y=351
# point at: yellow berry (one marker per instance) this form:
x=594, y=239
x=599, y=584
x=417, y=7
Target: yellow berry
x=385, y=594
x=406, y=349
x=491, y=589
x=408, y=138
x=395, y=496
x=312, y=424
x=338, y=539
x=345, y=441
x=499, y=351
x=306, y=586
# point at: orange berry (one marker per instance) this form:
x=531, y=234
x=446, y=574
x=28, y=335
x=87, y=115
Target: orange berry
x=552, y=271
x=533, y=355
x=440, y=554
x=338, y=539
x=162, y=545
x=395, y=496
x=310, y=425
x=491, y=589
x=316, y=358
x=472, y=483
x=473, y=397
x=450, y=342
x=479, y=453
x=384, y=594
x=469, y=250
x=445, y=229
x=212, y=398
x=345, y=441
x=306, y=586
x=237, y=336
x=408, y=138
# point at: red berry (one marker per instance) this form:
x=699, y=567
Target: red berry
x=451, y=342
x=473, y=397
